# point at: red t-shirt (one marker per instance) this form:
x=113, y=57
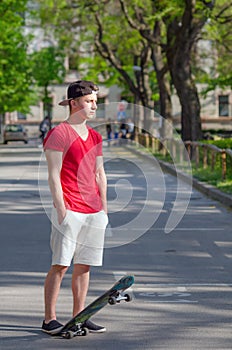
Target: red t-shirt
x=78, y=173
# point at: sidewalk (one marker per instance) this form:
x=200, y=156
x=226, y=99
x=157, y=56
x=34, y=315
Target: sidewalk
x=203, y=187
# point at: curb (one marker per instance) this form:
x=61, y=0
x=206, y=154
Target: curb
x=208, y=190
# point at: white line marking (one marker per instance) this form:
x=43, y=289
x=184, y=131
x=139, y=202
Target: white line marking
x=183, y=285
x=119, y=274
x=179, y=301
x=171, y=293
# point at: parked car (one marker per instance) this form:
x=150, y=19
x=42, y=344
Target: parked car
x=15, y=132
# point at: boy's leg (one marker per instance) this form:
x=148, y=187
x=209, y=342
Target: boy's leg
x=80, y=285
x=51, y=290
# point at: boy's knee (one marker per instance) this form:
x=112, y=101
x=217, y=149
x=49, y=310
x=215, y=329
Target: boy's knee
x=59, y=269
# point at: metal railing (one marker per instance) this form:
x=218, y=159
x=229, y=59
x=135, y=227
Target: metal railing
x=201, y=154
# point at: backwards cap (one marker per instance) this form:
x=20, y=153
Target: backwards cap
x=79, y=88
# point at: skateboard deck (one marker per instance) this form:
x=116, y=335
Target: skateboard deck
x=112, y=296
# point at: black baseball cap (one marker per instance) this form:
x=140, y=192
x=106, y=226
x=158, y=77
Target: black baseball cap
x=79, y=88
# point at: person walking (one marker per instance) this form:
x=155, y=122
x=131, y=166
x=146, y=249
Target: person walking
x=44, y=127
x=78, y=186
x=109, y=129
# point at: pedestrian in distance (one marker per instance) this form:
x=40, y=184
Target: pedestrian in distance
x=44, y=127
x=78, y=187
x=109, y=131
x=130, y=129
x=115, y=131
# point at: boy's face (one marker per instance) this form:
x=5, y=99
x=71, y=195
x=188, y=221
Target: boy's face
x=86, y=106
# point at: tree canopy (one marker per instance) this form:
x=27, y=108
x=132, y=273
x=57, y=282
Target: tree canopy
x=148, y=47
x=15, y=77
x=47, y=68
x=219, y=33
x=137, y=34
x=20, y=70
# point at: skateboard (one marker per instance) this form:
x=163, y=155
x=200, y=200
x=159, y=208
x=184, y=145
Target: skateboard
x=112, y=296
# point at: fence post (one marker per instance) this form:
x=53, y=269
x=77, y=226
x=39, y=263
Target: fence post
x=205, y=154
x=223, y=164
x=181, y=152
x=197, y=157
x=189, y=148
x=213, y=160
x=142, y=140
x=136, y=137
x=153, y=144
x=164, y=148
x=146, y=140
x=173, y=149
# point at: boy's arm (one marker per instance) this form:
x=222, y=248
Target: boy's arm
x=54, y=162
x=101, y=181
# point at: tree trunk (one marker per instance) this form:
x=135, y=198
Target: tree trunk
x=189, y=100
x=2, y=123
x=182, y=34
x=164, y=93
x=153, y=38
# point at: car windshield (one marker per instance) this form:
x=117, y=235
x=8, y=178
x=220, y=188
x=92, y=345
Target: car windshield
x=14, y=128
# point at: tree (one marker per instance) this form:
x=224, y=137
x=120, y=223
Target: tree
x=218, y=32
x=146, y=18
x=110, y=55
x=183, y=30
x=161, y=33
x=131, y=60
x=15, y=71
x=47, y=68
x=148, y=23
x=183, y=20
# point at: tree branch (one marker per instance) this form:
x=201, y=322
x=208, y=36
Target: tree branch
x=105, y=51
x=139, y=25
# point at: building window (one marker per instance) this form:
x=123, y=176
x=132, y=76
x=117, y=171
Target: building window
x=100, y=107
x=223, y=105
x=21, y=116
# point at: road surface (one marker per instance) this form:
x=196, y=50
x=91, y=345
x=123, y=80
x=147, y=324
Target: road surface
x=183, y=284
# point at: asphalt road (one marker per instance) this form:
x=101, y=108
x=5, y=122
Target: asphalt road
x=182, y=291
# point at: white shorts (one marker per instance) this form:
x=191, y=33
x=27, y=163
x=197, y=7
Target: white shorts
x=79, y=237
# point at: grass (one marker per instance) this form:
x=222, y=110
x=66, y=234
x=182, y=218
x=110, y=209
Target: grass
x=206, y=175
x=213, y=178
x=223, y=143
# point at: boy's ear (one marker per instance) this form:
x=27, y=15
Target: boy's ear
x=73, y=103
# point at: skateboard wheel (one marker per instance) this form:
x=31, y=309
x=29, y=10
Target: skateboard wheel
x=112, y=301
x=128, y=297
x=85, y=331
x=69, y=335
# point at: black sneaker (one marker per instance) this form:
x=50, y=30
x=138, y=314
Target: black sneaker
x=53, y=327
x=93, y=328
